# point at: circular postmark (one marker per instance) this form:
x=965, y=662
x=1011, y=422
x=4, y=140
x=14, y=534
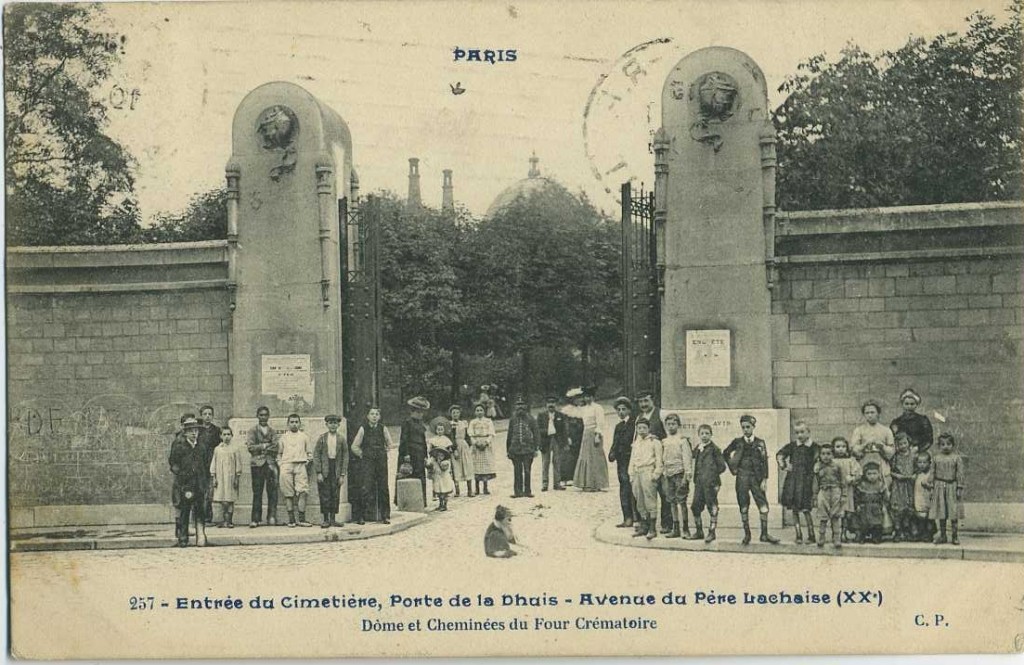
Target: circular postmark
x=622, y=114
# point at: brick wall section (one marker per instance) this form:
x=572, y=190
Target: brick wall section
x=949, y=328
x=98, y=380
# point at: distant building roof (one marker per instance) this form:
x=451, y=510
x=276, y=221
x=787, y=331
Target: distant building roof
x=533, y=183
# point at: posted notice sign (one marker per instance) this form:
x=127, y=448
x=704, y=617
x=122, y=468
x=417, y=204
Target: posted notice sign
x=708, y=358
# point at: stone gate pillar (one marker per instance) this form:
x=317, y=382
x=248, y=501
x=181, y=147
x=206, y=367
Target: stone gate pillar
x=716, y=332
x=291, y=161
x=717, y=198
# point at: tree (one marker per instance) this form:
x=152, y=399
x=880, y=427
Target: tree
x=205, y=218
x=67, y=181
x=935, y=121
x=547, y=277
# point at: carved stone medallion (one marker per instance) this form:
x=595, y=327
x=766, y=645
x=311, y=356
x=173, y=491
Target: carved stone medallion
x=717, y=98
x=277, y=128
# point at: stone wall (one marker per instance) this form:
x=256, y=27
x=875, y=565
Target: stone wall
x=106, y=348
x=874, y=301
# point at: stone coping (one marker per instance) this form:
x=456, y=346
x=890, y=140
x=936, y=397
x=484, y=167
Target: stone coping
x=972, y=547
x=162, y=535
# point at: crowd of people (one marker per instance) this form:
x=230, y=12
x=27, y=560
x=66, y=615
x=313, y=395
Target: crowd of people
x=882, y=481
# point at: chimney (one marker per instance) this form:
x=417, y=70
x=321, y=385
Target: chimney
x=415, y=201
x=447, y=192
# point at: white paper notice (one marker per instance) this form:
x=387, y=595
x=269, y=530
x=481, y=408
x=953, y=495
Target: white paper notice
x=708, y=358
x=288, y=377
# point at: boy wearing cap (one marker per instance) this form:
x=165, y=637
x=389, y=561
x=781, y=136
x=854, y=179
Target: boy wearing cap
x=708, y=466
x=645, y=469
x=330, y=462
x=191, y=479
x=293, y=459
x=648, y=410
x=747, y=457
x=521, y=447
x=551, y=426
x=622, y=447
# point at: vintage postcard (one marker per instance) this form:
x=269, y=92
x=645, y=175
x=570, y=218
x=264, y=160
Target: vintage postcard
x=405, y=329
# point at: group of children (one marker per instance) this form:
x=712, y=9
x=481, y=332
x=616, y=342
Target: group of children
x=880, y=483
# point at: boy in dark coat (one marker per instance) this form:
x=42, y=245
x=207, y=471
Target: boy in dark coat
x=747, y=457
x=330, y=463
x=191, y=480
x=622, y=447
x=708, y=466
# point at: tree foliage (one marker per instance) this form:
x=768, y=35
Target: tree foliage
x=935, y=121
x=205, y=218
x=68, y=182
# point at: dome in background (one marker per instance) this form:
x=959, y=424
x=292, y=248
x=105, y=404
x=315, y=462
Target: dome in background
x=533, y=183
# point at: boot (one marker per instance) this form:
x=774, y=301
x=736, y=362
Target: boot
x=652, y=531
x=302, y=520
x=457, y=490
x=837, y=530
x=765, y=536
x=326, y=521
x=231, y=520
x=800, y=535
x=711, y=530
x=821, y=534
x=746, y=531
x=675, y=531
x=641, y=529
x=686, y=527
x=699, y=533
x=940, y=539
x=956, y=533
x=291, y=518
x=810, y=530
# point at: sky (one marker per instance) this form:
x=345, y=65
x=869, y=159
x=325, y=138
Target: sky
x=388, y=69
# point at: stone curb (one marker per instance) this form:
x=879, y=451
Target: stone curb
x=218, y=538
x=728, y=541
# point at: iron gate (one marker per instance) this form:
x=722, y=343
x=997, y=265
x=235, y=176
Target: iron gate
x=641, y=321
x=361, y=338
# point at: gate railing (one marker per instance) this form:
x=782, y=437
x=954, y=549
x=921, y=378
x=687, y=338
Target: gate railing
x=641, y=319
x=361, y=330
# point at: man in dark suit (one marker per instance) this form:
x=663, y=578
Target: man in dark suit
x=551, y=425
x=645, y=400
x=747, y=457
x=620, y=452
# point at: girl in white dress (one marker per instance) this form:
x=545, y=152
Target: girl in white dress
x=481, y=435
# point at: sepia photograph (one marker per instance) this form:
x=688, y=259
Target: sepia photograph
x=444, y=328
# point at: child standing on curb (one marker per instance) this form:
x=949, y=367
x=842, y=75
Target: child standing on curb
x=947, y=481
x=294, y=457
x=851, y=474
x=677, y=458
x=829, y=481
x=225, y=473
x=708, y=467
x=902, y=492
x=645, y=468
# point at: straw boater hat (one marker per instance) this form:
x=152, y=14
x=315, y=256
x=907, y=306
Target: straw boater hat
x=574, y=393
x=419, y=402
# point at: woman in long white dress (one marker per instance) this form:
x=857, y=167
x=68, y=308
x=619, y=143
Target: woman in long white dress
x=592, y=466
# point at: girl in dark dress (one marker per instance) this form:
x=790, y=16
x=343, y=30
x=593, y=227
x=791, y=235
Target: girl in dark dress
x=901, y=501
x=797, y=458
x=916, y=425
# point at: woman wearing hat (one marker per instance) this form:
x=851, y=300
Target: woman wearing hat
x=412, y=442
x=462, y=454
x=916, y=425
x=592, y=467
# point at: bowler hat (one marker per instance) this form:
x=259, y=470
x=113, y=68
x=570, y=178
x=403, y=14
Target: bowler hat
x=419, y=402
